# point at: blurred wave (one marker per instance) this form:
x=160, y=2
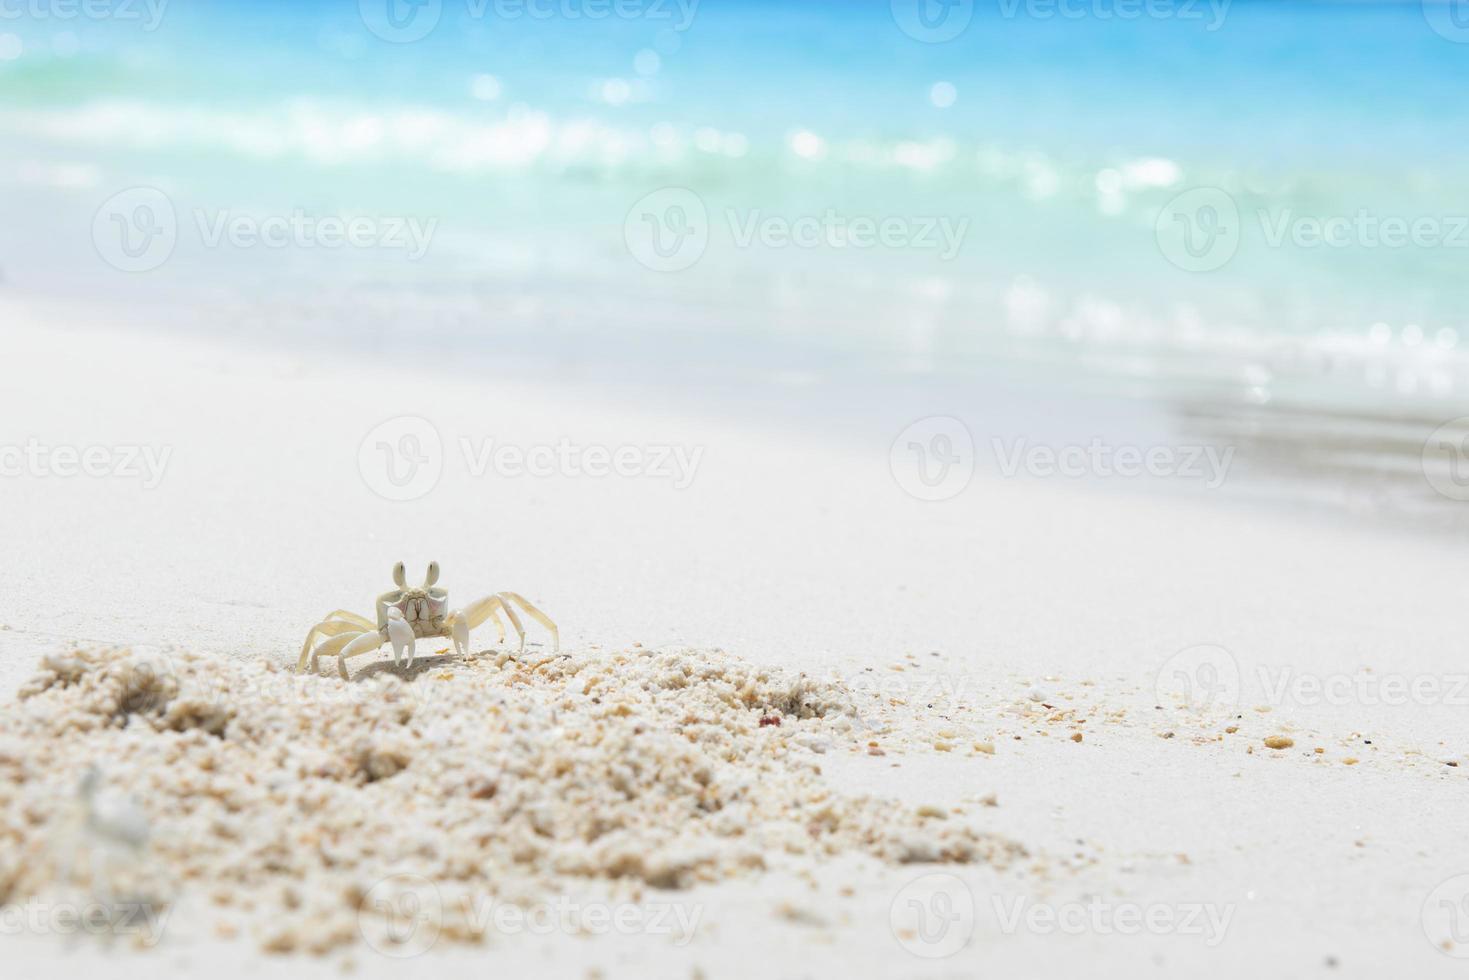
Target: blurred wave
x=1058, y=143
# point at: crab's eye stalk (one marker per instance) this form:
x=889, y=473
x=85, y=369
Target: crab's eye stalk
x=433, y=574
x=400, y=575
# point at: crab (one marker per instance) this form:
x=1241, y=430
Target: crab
x=408, y=614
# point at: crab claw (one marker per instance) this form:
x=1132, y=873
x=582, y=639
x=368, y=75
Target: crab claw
x=400, y=635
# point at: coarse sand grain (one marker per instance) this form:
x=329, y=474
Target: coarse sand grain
x=281, y=800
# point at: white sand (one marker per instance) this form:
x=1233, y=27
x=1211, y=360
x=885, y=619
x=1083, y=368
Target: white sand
x=789, y=552
x=275, y=805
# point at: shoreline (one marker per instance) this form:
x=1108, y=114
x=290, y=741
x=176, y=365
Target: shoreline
x=1353, y=464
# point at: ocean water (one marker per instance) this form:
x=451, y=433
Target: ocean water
x=1262, y=203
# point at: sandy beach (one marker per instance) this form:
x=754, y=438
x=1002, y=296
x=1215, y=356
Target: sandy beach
x=717, y=490
x=1002, y=649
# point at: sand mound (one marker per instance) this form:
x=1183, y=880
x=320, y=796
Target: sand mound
x=281, y=800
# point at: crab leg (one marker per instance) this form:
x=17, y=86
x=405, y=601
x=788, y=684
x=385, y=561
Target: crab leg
x=330, y=648
x=334, y=624
x=459, y=623
x=458, y=626
x=535, y=614
x=494, y=617
x=331, y=627
x=482, y=610
x=351, y=617
x=362, y=643
x=477, y=612
x=514, y=621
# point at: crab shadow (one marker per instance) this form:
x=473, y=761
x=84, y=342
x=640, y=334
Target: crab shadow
x=423, y=665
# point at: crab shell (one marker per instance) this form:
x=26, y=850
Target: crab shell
x=424, y=609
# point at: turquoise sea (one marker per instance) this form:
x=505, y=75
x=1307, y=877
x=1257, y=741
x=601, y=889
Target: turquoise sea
x=1169, y=198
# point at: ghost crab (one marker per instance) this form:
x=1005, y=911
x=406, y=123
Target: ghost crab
x=408, y=614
